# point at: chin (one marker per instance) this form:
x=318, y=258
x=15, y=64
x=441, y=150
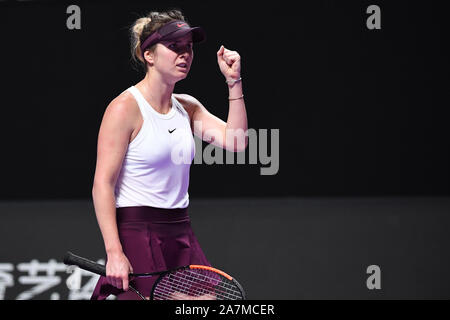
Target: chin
x=176, y=78
x=183, y=76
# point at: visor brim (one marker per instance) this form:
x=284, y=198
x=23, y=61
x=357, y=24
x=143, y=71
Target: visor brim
x=198, y=34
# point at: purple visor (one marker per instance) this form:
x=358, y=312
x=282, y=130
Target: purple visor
x=173, y=30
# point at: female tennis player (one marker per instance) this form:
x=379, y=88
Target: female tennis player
x=145, y=149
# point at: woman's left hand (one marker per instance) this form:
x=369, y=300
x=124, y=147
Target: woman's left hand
x=229, y=63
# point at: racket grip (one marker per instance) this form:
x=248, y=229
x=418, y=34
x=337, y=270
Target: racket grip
x=83, y=263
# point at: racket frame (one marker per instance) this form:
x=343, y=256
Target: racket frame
x=92, y=266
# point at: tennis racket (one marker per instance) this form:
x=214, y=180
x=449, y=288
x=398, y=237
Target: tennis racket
x=193, y=282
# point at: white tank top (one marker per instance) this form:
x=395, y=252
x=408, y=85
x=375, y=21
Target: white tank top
x=155, y=169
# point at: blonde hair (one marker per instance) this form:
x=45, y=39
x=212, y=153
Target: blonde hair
x=146, y=25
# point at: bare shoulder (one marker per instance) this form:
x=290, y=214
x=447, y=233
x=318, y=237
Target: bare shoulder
x=185, y=97
x=124, y=107
x=124, y=102
x=189, y=103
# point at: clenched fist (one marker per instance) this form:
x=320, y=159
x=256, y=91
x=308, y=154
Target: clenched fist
x=229, y=63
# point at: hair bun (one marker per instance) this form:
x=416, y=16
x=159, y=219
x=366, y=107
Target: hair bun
x=139, y=25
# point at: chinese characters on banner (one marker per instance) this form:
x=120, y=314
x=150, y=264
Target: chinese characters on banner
x=45, y=280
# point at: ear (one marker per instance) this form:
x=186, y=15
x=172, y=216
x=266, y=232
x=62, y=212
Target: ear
x=149, y=57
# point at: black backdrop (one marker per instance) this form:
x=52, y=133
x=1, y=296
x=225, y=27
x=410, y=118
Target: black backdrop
x=360, y=112
x=362, y=115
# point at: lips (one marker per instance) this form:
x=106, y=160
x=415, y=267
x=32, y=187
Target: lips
x=182, y=65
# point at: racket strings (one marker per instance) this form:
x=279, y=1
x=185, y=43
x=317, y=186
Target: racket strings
x=169, y=292
x=177, y=292
x=192, y=286
x=188, y=283
x=222, y=285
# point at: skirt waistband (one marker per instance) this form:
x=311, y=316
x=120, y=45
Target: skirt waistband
x=151, y=214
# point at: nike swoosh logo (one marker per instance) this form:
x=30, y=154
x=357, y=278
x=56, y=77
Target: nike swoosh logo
x=180, y=25
x=172, y=130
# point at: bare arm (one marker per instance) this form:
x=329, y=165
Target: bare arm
x=231, y=135
x=113, y=139
x=237, y=115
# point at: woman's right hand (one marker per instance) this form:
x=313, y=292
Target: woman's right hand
x=117, y=270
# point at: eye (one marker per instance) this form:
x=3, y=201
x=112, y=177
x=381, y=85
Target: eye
x=178, y=46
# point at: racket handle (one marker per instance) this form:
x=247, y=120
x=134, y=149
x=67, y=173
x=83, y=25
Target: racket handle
x=83, y=263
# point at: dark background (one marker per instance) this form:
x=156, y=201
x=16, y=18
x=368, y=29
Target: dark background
x=360, y=112
x=364, y=148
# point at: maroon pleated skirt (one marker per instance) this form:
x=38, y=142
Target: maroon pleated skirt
x=153, y=239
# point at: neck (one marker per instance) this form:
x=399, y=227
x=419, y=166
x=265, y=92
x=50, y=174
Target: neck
x=157, y=92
